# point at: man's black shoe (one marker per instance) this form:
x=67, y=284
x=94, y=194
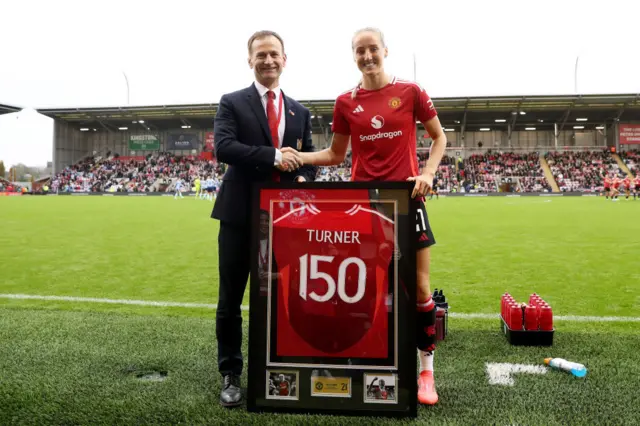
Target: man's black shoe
x=231, y=395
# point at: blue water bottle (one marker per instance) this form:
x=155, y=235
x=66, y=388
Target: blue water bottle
x=574, y=368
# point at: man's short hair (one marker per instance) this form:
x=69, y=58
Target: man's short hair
x=263, y=34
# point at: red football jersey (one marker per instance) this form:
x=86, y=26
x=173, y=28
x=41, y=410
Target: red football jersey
x=607, y=182
x=637, y=180
x=284, y=389
x=382, y=126
x=627, y=182
x=333, y=281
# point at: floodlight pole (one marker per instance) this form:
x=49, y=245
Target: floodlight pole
x=127, y=81
x=575, y=75
x=414, y=67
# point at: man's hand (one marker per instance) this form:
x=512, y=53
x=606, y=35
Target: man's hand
x=300, y=179
x=423, y=184
x=288, y=149
x=290, y=160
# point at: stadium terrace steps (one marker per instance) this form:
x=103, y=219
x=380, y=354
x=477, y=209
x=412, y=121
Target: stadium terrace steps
x=547, y=174
x=622, y=166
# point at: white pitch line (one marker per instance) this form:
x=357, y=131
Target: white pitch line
x=501, y=373
x=113, y=301
x=459, y=315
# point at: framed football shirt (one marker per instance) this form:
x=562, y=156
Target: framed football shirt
x=333, y=295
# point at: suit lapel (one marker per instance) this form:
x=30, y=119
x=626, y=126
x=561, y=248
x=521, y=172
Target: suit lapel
x=289, y=121
x=258, y=109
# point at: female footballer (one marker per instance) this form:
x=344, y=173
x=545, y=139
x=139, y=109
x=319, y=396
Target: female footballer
x=379, y=118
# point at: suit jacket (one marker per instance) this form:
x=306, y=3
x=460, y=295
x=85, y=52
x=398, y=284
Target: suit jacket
x=244, y=143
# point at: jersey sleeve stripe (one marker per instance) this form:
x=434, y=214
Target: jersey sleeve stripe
x=362, y=209
x=411, y=83
x=353, y=209
x=313, y=208
x=347, y=92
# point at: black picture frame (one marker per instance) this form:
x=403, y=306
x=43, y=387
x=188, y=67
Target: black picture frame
x=341, y=385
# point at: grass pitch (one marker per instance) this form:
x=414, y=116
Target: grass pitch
x=76, y=363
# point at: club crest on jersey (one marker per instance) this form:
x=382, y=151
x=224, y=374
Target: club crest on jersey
x=395, y=102
x=294, y=201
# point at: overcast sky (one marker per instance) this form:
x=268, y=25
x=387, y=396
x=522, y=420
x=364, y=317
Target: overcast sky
x=76, y=53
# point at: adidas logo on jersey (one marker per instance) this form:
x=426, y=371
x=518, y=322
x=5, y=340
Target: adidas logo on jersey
x=358, y=109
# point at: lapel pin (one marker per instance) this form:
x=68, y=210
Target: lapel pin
x=291, y=112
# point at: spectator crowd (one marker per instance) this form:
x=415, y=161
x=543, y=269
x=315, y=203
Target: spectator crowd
x=152, y=173
x=632, y=160
x=581, y=171
x=487, y=172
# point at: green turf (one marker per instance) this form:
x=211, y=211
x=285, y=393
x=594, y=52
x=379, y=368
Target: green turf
x=158, y=248
x=80, y=368
x=67, y=362
x=154, y=248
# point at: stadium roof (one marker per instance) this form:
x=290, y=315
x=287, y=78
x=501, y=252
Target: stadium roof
x=7, y=109
x=541, y=112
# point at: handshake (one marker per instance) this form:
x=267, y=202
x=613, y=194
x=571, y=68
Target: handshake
x=291, y=160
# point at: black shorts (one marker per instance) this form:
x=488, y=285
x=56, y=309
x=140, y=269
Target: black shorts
x=637, y=187
x=424, y=235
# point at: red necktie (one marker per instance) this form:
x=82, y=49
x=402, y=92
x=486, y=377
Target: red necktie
x=272, y=118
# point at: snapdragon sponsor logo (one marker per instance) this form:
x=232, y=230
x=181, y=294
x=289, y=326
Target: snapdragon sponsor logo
x=377, y=122
x=381, y=135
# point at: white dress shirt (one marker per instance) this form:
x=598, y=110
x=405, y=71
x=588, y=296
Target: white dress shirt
x=262, y=90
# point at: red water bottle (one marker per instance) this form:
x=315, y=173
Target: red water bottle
x=532, y=298
x=546, y=318
x=504, y=306
x=515, y=320
x=530, y=318
x=537, y=303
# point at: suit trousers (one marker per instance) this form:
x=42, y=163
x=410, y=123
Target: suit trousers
x=234, y=251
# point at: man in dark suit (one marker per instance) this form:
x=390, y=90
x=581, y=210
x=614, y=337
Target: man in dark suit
x=251, y=127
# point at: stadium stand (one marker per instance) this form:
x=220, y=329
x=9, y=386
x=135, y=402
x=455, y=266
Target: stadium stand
x=632, y=160
x=336, y=173
x=448, y=177
x=484, y=172
x=513, y=127
x=581, y=171
x=573, y=171
x=151, y=173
